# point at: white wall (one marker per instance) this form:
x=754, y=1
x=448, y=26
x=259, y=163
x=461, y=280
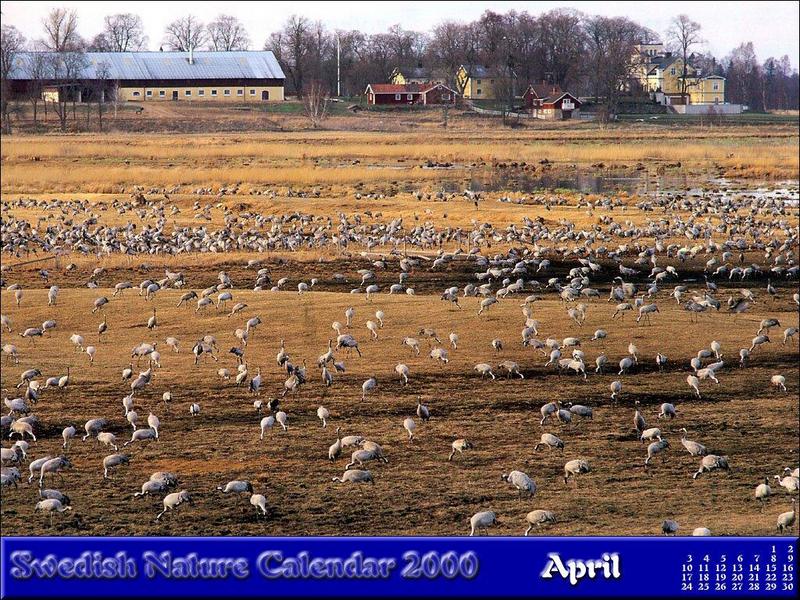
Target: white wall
x=702, y=109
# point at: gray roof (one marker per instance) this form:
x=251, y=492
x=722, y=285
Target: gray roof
x=415, y=72
x=172, y=65
x=661, y=62
x=478, y=71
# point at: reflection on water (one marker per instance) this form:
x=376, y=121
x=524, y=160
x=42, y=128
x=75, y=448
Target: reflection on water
x=586, y=181
x=607, y=181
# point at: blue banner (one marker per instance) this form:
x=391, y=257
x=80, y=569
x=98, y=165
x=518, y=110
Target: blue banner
x=357, y=567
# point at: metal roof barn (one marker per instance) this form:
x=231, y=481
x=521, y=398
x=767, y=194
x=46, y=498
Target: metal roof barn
x=169, y=65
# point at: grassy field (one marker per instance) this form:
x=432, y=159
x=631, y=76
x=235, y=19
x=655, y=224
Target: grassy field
x=419, y=492
x=43, y=164
x=374, y=176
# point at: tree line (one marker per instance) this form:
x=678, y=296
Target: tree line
x=589, y=55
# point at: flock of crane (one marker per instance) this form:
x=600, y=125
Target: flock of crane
x=541, y=258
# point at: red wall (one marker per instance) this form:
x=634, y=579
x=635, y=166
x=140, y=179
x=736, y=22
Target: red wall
x=390, y=99
x=435, y=96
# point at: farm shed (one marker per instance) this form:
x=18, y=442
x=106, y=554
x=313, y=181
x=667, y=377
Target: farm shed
x=409, y=93
x=150, y=76
x=548, y=101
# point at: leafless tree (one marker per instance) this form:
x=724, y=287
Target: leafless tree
x=11, y=43
x=99, y=43
x=124, y=32
x=352, y=58
x=102, y=75
x=290, y=46
x=315, y=100
x=61, y=31
x=683, y=36
x=610, y=57
x=185, y=34
x=745, y=77
x=65, y=69
x=226, y=33
x=562, y=41
x=452, y=45
x=37, y=73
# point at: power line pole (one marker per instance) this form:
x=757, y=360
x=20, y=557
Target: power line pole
x=338, y=66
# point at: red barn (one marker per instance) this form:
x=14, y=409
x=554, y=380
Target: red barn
x=548, y=101
x=409, y=93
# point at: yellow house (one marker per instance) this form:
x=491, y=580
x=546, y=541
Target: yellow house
x=649, y=50
x=709, y=90
x=664, y=73
x=477, y=83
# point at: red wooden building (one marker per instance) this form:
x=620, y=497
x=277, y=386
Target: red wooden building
x=409, y=93
x=548, y=101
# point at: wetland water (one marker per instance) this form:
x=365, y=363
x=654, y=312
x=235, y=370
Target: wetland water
x=642, y=183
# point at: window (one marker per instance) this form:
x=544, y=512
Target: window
x=478, y=82
x=479, y=91
x=409, y=96
x=226, y=92
x=213, y=92
x=491, y=81
x=136, y=94
x=187, y=92
x=149, y=93
x=252, y=92
x=240, y=92
x=445, y=96
x=161, y=93
x=397, y=96
x=672, y=71
x=715, y=87
x=201, y=92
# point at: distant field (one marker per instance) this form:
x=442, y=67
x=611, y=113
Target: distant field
x=85, y=164
x=743, y=119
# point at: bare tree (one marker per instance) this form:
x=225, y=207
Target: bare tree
x=11, y=42
x=290, y=46
x=124, y=32
x=684, y=35
x=611, y=60
x=102, y=75
x=452, y=45
x=315, y=100
x=744, y=76
x=185, y=34
x=353, y=65
x=99, y=43
x=65, y=69
x=37, y=73
x=562, y=40
x=61, y=31
x=226, y=33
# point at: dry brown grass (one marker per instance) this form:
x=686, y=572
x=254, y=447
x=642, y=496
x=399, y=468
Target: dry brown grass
x=87, y=163
x=418, y=492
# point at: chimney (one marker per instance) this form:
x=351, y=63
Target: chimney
x=191, y=55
